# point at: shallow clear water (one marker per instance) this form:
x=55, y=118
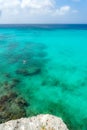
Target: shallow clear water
x=51, y=64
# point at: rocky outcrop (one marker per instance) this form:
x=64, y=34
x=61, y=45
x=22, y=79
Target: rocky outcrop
x=40, y=122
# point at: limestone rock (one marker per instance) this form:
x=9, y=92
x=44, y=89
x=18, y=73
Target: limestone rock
x=40, y=122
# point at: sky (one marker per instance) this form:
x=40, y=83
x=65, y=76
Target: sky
x=43, y=11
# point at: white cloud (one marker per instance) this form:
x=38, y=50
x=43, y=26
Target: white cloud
x=36, y=4
x=33, y=6
x=32, y=10
x=9, y=4
x=63, y=10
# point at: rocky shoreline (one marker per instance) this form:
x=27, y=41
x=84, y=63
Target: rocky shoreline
x=40, y=122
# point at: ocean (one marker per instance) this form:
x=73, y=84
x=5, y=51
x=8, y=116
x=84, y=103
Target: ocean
x=43, y=70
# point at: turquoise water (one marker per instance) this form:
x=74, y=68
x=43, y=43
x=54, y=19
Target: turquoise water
x=51, y=65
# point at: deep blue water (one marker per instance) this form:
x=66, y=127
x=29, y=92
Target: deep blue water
x=46, y=26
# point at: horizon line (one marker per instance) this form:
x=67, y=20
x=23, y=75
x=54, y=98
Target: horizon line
x=42, y=23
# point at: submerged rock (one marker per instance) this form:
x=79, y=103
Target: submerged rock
x=11, y=84
x=29, y=72
x=40, y=122
x=12, y=107
x=15, y=81
x=7, y=75
x=7, y=98
x=22, y=72
x=21, y=102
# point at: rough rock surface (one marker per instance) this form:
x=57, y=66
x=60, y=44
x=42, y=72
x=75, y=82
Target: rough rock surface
x=40, y=122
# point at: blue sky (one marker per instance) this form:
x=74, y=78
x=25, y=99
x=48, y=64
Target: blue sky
x=43, y=11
